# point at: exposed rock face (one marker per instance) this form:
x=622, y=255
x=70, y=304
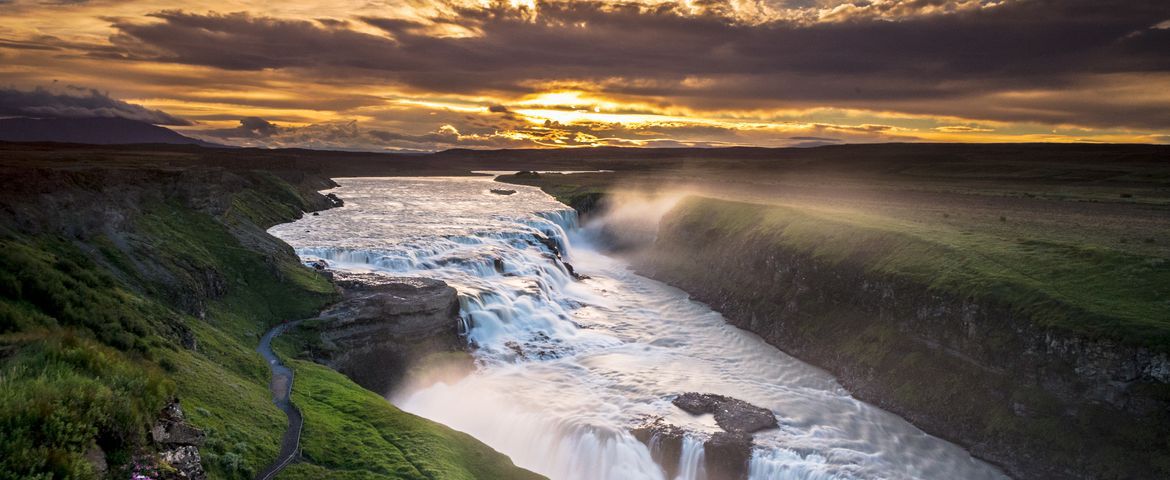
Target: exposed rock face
x=1036, y=401
x=179, y=442
x=172, y=429
x=665, y=443
x=384, y=324
x=726, y=454
x=733, y=415
x=185, y=459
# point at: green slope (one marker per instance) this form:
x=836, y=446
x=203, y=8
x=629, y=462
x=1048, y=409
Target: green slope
x=100, y=327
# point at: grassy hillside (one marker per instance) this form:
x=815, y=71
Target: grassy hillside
x=985, y=343
x=353, y=433
x=122, y=288
x=1086, y=289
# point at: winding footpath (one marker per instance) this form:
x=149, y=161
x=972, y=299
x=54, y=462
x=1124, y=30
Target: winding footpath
x=281, y=387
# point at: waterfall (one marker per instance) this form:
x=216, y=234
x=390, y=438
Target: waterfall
x=785, y=464
x=566, y=368
x=690, y=463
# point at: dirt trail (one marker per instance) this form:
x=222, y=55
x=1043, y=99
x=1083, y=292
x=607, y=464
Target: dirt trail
x=281, y=386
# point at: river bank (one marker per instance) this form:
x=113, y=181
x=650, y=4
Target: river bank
x=571, y=363
x=976, y=369
x=1034, y=384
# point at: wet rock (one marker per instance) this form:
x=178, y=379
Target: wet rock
x=732, y=415
x=550, y=244
x=573, y=273
x=727, y=454
x=539, y=346
x=502, y=191
x=664, y=441
x=516, y=348
x=695, y=403
x=334, y=200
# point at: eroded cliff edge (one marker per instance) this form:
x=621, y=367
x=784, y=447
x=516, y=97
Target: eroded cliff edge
x=1040, y=401
x=384, y=327
x=133, y=280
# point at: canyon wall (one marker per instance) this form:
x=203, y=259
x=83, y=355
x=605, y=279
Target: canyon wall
x=1040, y=402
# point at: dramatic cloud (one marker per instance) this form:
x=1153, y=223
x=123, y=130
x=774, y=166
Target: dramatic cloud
x=705, y=61
x=468, y=73
x=76, y=102
x=250, y=127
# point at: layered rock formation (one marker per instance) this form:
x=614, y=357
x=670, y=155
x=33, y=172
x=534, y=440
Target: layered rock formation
x=1037, y=401
x=383, y=325
x=179, y=443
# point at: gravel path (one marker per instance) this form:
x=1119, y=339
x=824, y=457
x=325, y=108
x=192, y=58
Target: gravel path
x=281, y=386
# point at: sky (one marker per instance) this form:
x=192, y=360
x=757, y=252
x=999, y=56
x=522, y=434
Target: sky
x=411, y=75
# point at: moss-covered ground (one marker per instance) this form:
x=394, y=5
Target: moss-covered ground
x=99, y=329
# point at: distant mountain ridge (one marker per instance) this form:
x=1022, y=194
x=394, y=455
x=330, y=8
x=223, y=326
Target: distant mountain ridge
x=98, y=131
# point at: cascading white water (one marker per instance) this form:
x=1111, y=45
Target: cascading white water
x=690, y=463
x=566, y=367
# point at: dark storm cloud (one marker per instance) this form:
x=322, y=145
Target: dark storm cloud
x=930, y=64
x=250, y=127
x=77, y=102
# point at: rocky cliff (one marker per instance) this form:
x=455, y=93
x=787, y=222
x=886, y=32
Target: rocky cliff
x=383, y=326
x=1038, y=401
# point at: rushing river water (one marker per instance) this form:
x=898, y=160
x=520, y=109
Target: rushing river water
x=566, y=367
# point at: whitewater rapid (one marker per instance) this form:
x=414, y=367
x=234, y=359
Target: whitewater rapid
x=566, y=367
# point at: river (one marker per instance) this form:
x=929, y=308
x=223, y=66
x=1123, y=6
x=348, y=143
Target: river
x=566, y=367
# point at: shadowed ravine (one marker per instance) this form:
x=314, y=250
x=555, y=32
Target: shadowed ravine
x=567, y=368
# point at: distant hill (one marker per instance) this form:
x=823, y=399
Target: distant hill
x=98, y=131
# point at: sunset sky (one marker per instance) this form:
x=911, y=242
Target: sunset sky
x=417, y=75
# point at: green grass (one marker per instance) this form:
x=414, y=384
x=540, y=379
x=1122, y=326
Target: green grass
x=580, y=191
x=99, y=331
x=119, y=306
x=1089, y=290
x=353, y=433
x=77, y=367
x=61, y=394
x=1065, y=276
x=1084, y=289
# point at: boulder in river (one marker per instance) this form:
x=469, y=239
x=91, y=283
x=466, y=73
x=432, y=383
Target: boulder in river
x=732, y=415
x=502, y=191
x=727, y=455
